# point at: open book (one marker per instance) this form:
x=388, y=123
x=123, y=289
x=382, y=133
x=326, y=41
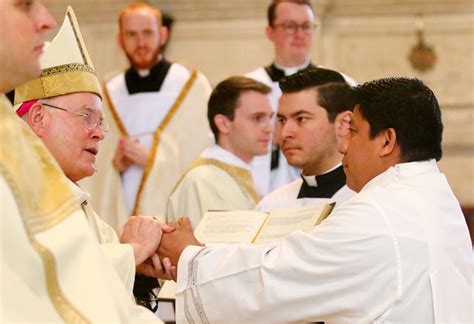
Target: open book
x=249, y=226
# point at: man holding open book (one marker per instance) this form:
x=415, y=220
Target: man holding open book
x=398, y=251
x=313, y=115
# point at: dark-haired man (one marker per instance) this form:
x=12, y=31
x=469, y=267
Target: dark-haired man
x=239, y=114
x=290, y=28
x=313, y=115
x=398, y=251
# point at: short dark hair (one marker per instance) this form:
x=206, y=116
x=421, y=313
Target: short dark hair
x=224, y=98
x=410, y=108
x=271, y=11
x=335, y=98
x=309, y=78
x=334, y=94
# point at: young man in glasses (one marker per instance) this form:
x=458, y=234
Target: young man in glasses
x=291, y=25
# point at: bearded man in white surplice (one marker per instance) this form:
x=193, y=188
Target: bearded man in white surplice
x=156, y=109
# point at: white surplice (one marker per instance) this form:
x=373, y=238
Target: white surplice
x=166, y=122
x=399, y=251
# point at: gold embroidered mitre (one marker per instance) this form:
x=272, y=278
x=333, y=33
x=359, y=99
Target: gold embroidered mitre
x=66, y=66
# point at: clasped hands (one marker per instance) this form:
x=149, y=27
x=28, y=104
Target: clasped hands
x=129, y=152
x=157, y=246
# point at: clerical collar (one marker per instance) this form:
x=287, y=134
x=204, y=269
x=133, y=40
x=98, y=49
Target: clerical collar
x=276, y=72
x=324, y=185
x=312, y=180
x=138, y=81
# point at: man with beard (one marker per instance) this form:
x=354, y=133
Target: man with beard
x=290, y=28
x=152, y=106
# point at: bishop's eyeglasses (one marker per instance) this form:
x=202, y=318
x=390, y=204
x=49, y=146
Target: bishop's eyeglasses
x=90, y=120
x=291, y=28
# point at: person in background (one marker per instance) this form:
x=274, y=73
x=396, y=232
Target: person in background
x=239, y=114
x=291, y=25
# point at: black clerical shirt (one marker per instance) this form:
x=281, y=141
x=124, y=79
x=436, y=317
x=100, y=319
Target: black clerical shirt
x=150, y=83
x=327, y=185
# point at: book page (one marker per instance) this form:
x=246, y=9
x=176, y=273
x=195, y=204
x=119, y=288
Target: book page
x=167, y=291
x=284, y=221
x=229, y=226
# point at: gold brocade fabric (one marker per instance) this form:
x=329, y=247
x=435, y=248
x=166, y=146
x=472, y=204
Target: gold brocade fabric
x=41, y=192
x=40, y=184
x=240, y=175
x=70, y=78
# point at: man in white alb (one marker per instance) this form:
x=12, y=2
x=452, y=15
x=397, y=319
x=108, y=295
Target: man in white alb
x=290, y=28
x=398, y=251
x=150, y=107
x=239, y=114
x=313, y=115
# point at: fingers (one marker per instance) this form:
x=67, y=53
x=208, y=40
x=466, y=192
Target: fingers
x=174, y=273
x=185, y=224
x=162, y=270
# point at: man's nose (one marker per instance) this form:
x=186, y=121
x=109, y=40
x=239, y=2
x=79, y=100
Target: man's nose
x=98, y=133
x=286, y=130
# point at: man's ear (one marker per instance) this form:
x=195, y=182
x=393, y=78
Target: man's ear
x=222, y=123
x=120, y=40
x=388, y=139
x=269, y=31
x=36, y=119
x=164, y=33
x=342, y=124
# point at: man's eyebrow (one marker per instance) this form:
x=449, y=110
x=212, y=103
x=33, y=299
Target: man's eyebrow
x=89, y=108
x=300, y=112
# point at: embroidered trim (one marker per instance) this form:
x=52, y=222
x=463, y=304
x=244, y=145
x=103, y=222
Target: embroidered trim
x=156, y=137
x=241, y=176
x=66, y=68
x=114, y=112
x=63, y=306
x=192, y=280
x=78, y=41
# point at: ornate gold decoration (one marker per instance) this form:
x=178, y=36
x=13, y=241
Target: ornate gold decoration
x=42, y=195
x=422, y=56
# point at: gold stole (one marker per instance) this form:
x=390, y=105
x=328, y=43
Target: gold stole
x=41, y=192
x=156, y=136
x=241, y=176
